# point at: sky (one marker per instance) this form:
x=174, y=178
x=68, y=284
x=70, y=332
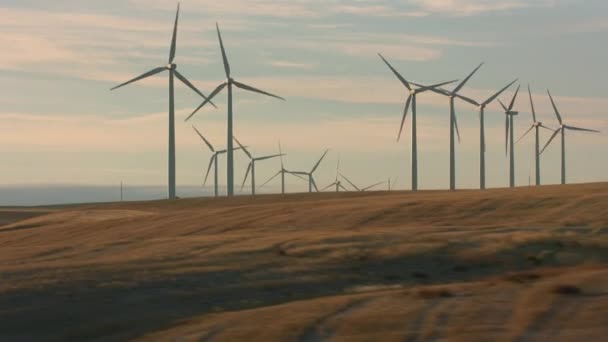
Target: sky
x=60, y=123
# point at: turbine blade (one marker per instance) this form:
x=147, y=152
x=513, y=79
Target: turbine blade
x=349, y=182
x=528, y=131
x=174, y=37
x=250, y=88
x=466, y=79
x=433, y=86
x=372, y=186
x=559, y=117
x=211, y=96
x=581, y=129
x=456, y=126
x=319, y=162
x=503, y=106
x=493, y=97
x=142, y=76
x=550, y=140
x=547, y=128
x=191, y=86
x=532, y=104
x=405, y=110
x=329, y=186
x=297, y=174
x=401, y=78
x=224, y=57
x=204, y=139
x=246, y=174
x=268, y=157
x=514, y=97
x=271, y=178
x=209, y=167
x=466, y=99
x=314, y=184
x=243, y=147
x=343, y=188
x=338, y=168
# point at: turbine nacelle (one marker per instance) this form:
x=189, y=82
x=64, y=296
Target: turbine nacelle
x=171, y=66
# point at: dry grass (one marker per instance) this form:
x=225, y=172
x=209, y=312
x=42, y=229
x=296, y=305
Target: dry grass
x=465, y=266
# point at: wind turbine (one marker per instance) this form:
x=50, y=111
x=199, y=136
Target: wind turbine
x=509, y=114
x=251, y=166
x=229, y=83
x=536, y=125
x=412, y=99
x=172, y=68
x=482, y=135
x=212, y=162
x=562, y=129
x=337, y=182
x=356, y=187
x=311, y=179
x=454, y=123
x=281, y=172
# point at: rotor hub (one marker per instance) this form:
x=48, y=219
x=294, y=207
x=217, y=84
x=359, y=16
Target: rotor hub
x=171, y=66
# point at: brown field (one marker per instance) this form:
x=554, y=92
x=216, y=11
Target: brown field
x=528, y=264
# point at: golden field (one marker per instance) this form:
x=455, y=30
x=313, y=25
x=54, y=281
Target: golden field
x=525, y=264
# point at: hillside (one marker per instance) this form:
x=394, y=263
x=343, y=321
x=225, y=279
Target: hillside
x=512, y=264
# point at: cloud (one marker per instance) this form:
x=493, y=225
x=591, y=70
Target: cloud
x=477, y=7
x=292, y=65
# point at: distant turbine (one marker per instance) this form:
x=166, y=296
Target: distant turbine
x=212, y=162
x=562, y=129
x=356, y=187
x=454, y=123
x=311, y=179
x=412, y=99
x=482, y=136
x=509, y=114
x=172, y=72
x=535, y=125
x=229, y=82
x=392, y=183
x=251, y=166
x=337, y=182
x=281, y=172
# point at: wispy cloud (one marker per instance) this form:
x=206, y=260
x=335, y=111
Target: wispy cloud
x=293, y=65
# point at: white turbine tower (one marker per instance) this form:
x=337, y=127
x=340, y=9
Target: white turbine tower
x=412, y=99
x=482, y=134
x=454, y=123
x=229, y=83
x=536, y=125
x=251, y=166
x=213, y=161
x=311, y=179
x=172, y=68
x=509, y=144
x=562, y=129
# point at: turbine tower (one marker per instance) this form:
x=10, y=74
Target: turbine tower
x=482, y=135
x=229, y=83
x=172, y=68
x=311, y=179
x=562, y=129
x=251, y=166
x=509, y=114
x=536, y=125
x=454, y=123
x=412, y=99
x=212, y=162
